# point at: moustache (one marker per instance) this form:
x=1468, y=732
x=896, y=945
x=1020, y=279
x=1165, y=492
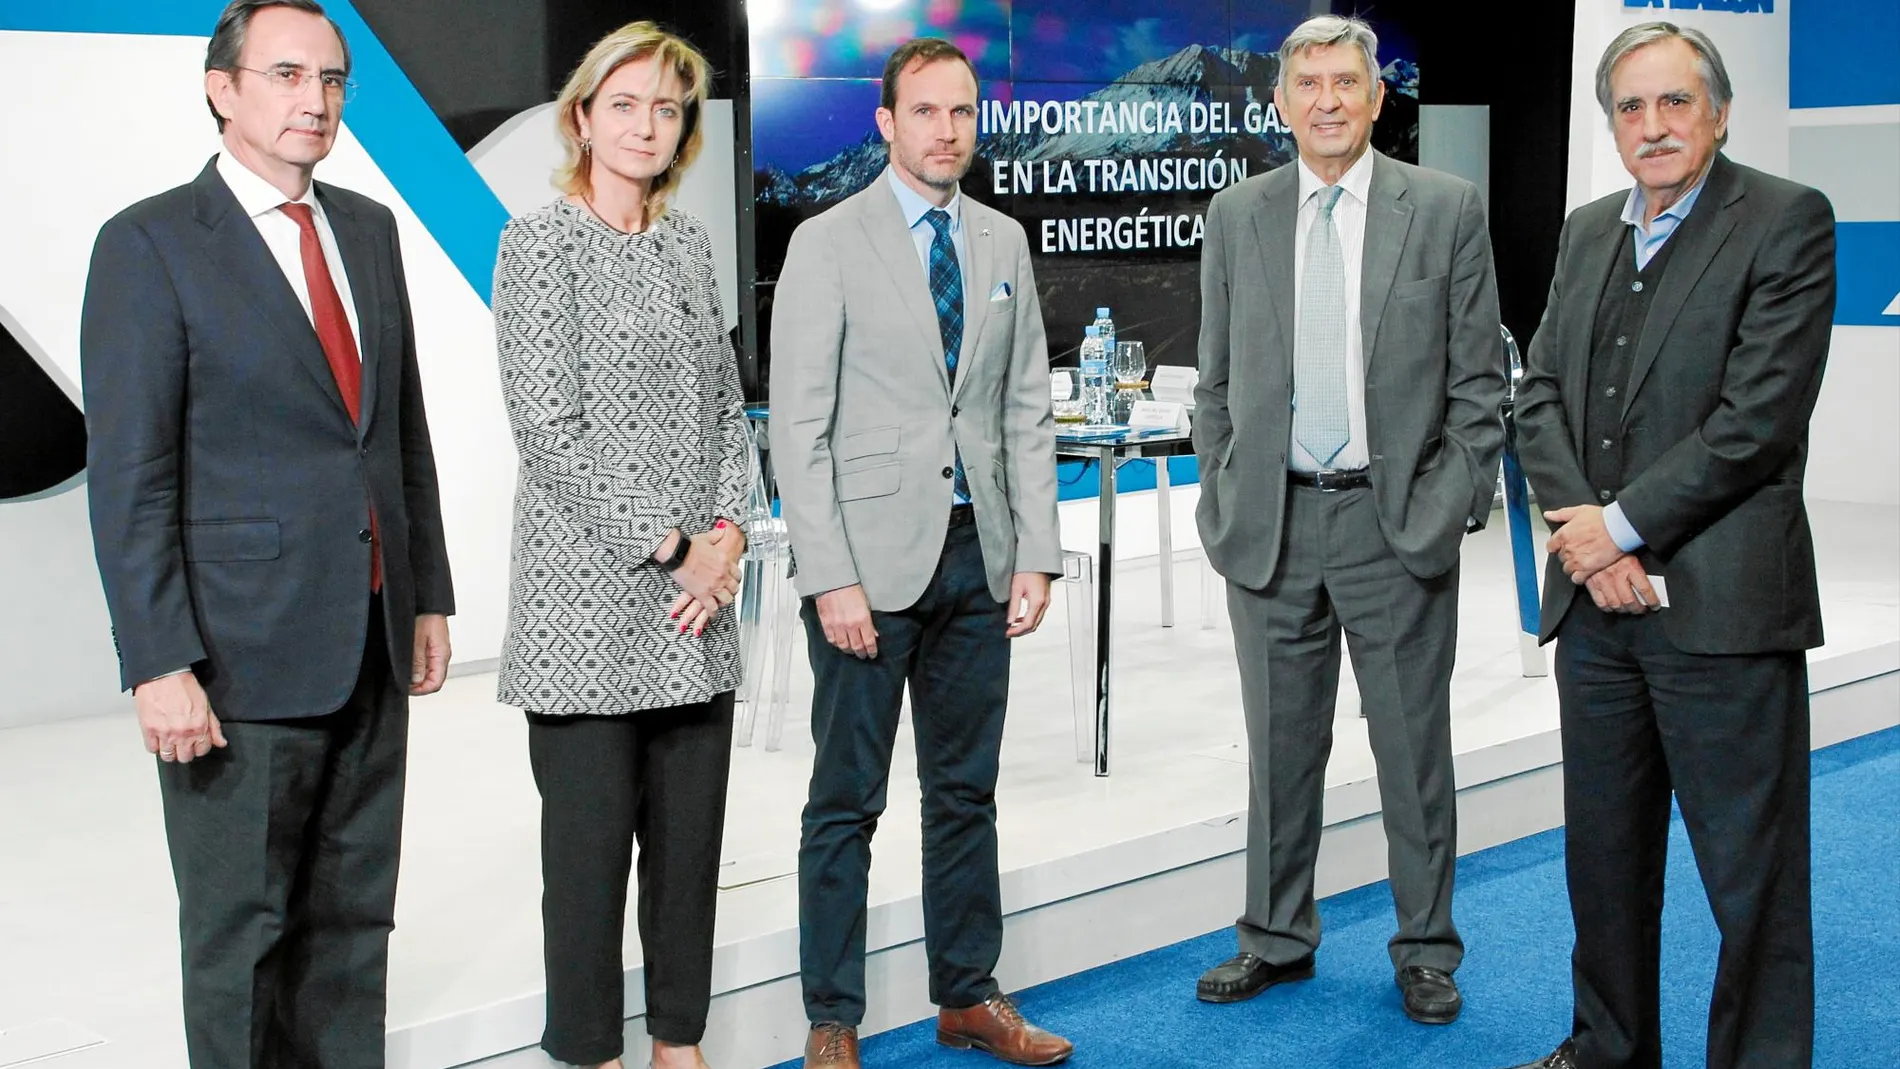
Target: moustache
x=1656, y=148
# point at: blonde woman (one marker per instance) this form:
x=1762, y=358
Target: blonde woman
x=624, y=398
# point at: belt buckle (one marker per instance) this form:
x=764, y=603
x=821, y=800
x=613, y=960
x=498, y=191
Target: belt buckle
x=1323, y=480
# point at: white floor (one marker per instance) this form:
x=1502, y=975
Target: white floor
x=87, y=912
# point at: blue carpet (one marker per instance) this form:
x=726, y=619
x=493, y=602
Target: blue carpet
x=1512, y=910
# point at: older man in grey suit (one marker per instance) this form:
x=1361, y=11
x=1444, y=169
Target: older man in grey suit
x=916, y=458
x=1348, y=434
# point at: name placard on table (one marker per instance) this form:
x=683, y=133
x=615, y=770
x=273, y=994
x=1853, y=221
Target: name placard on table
x=1173, y=382
x=1158, y=415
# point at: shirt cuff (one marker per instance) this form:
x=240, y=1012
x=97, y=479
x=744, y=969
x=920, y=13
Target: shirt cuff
x=165, y=675
x=1621, y=532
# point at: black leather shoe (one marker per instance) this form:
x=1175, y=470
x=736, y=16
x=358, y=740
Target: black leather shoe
x=1564, y=1057
x=1245, y=975
x=1431, y=996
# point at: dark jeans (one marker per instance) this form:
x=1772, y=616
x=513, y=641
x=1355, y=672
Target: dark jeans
x=952, y=648
x=658, y=778
x=1729, y=735
x=284, y=847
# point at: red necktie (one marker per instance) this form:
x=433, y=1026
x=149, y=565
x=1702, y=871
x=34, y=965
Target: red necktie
x=339, y=345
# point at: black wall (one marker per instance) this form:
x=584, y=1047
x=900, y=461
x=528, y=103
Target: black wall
x=1522, y=72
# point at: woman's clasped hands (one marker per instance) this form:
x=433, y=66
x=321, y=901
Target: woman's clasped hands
x=709, y=578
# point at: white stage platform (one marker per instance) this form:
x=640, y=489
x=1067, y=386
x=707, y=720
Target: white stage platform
x=1094, y=869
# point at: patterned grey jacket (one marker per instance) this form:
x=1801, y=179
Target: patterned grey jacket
x=624, y=398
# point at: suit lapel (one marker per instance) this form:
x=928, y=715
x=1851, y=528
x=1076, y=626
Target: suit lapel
x=889, y=237
x=979, y=272
x=1596, y=259
x=1388, y=221
x=358, y=251
x=1274, y=220
x=239, y=250
x=1701, y=239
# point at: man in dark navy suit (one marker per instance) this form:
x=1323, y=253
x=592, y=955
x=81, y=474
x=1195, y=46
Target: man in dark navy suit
x=265, y=515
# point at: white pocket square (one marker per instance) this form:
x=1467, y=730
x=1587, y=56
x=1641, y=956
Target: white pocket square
x=1002, y=292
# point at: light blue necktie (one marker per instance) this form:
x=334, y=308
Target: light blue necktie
x=1319, y=351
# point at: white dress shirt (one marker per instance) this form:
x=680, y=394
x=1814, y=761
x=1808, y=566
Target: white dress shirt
x=262, y=202
x=1349, y=218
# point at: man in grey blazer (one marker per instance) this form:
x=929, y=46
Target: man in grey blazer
x=1348, y=434
x=915, y=453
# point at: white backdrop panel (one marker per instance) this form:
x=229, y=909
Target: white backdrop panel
x=64, y=177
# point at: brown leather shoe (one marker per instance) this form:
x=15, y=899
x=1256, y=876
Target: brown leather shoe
x=831, y=1046
x=997, y=1027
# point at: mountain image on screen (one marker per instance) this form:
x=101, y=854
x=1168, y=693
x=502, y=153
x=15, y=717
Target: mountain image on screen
x=1155, y=290
x=1196, y=74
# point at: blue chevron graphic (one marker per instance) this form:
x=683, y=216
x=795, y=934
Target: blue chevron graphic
x=390, y=118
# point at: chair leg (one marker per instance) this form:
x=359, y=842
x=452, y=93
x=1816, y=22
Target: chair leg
x=784, y=611
x=1078, y=574
x=755, y=628
x=1211, y=593
x=1164, y=515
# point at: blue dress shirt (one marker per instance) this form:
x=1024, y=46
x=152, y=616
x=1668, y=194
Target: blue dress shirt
x=914, y=207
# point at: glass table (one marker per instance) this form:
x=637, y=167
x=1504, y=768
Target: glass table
x=1110, y=448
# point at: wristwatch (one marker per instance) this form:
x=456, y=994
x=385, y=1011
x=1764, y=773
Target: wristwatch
x=672, y=561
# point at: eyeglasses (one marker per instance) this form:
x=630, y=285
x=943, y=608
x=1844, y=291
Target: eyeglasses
x=291, y=81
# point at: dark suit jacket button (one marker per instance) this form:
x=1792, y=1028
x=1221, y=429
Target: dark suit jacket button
x=949, y=473
x=363, y=535
x=954, y=410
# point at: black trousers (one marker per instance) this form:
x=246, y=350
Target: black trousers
x=657, y=778
x=952, y=648
x=1729, y=735
x=284, y=848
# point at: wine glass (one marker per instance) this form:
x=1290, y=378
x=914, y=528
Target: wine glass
x=1130, y=364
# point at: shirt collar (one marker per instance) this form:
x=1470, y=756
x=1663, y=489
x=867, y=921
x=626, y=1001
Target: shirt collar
x=256, y=196
x=914, y=206
x=1357, y=180
x=1633, y=206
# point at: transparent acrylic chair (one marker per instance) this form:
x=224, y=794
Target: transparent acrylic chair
x=1213, y=594
x=768, y=611
x=1515, y=495
x=1078, y=575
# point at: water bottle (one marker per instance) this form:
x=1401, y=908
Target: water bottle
x=1094, y=376
x=1106, y=328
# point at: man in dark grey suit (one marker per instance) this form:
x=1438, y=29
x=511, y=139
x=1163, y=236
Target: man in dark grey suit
x=265, y=516
x=1348, y=434
x=1663, y=423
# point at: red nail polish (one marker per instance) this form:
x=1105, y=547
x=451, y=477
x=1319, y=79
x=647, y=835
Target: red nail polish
x=721, y=525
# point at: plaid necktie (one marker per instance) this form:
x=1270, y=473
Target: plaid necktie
x=1319, y=352
x=946, y=290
